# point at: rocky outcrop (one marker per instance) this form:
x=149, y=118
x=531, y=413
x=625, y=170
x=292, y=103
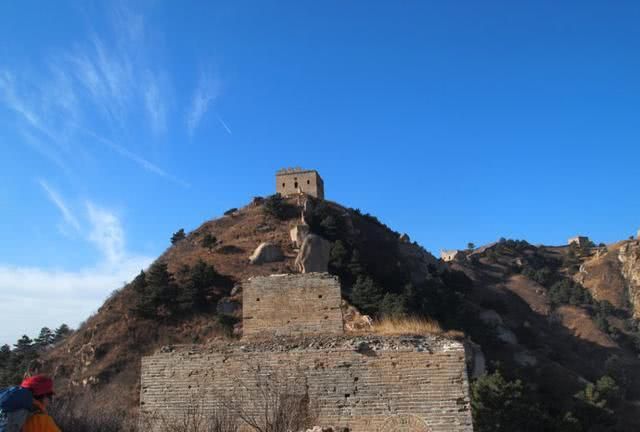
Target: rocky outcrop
x=298, y=233
x=313, y=255
x=629, y=256
x=354, y=321
x=421, y=263
x=265, y=253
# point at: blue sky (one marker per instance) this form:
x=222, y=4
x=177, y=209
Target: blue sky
x=451, y=121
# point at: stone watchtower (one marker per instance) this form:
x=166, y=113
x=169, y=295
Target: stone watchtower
x=291, y=181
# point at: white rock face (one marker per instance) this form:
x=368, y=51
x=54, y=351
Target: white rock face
x=298, y=233
x=266, y=252
x=314, y=255
x=629, y=256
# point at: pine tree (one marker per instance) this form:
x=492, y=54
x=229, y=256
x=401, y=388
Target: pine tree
x=366, y=295
x=144, y=305
x=208, y=241
x=178, y=236
x=45, y=338
x=61, y=332
x=196, y=283
x=338, y=257
x=355, y=265
x=161, y=287
x=24, y=344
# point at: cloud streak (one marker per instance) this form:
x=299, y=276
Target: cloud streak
x=106, y=233
x=206, y=93
x=57, y=200
x=224, y=125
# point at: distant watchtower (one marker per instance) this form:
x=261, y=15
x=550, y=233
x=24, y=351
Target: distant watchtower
x=291, y=181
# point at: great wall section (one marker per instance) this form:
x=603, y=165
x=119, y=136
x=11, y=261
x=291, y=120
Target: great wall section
x=294, y=343
x=360, y=383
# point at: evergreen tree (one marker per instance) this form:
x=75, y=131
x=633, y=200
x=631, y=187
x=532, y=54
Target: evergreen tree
x=197, y=283
x=393, y=305
x=144, y=304
x=61, y=332
x=5, y=353
x=45, y=338
x=178, y=236
x=356, y=269
x=505, y=406
x=338, y=258
x=161, y=287
x=23, y=345
x=208, y=241
x=366, y=295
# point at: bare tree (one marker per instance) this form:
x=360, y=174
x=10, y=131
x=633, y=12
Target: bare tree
x=273, y=402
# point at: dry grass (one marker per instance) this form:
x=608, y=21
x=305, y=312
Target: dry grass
x=406, y=326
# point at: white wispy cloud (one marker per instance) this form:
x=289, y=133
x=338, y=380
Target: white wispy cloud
x=103, y=83
x=57, y=200
x=9, y=95
x=106, y=233
x=205, y=93
x=156, y=110
x=32, y=297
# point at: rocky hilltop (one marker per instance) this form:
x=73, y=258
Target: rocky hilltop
x=558, y=319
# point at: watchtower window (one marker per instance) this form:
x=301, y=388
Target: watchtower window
x=282, y=184
x=295, y=185
x=308, y=181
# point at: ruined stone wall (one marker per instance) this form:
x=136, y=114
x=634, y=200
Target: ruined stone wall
x=292, y=305
x=291, y=182
x=368, y=384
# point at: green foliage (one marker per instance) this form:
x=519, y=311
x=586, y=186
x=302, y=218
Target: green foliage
x=569, y=292
x=571, y=260
x=499, y=405
x=393, y=305
x=471, y=246
x=325, y=222
x=155, y=289
x=178, y=236
x=543, y=276
x=158, y=294
x=208, y=241
x=367, y=295
x=45, y=339
x=62, y=332
x=595, y=403
x=278, y=207
x=14, y=363
x=197, y=284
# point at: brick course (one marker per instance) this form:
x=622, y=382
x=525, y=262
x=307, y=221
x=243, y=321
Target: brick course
x=292, y=304
x=353, y=387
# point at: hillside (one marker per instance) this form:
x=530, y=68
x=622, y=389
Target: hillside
x=557, y=318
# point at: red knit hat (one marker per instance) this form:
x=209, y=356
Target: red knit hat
x=40, y=385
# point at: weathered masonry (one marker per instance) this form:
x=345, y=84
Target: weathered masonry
x=578, y=241
x=367, y=384
x=294, y=344
x=292, y=305
x=290, y=181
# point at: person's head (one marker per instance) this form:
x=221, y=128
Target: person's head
x=40, y=386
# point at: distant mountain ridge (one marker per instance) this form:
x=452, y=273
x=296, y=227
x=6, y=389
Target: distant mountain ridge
x=554, y=317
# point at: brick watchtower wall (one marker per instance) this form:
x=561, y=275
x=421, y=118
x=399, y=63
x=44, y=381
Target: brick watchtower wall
x=293, y=181
x=292, y=305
